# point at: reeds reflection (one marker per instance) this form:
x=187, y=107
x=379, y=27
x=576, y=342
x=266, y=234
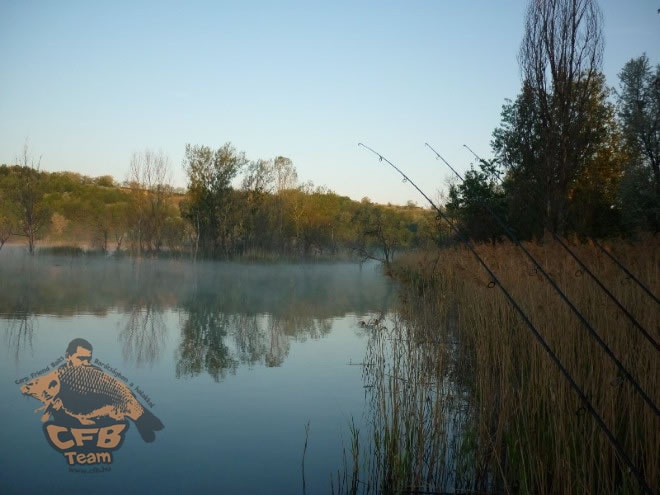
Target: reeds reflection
x=416, y=440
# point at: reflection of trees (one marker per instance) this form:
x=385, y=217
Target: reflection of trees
x=251, y=339
x=202, y=346
x=217, y=342
x=236, y=313
x=261, y=339
x=66, y=286
x=18, y=333
x=143, y=335
x=278, y=347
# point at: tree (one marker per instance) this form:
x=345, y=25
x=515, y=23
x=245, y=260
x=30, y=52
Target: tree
x=560, y=58
x=286, y=176
x=541, y=193
x=149, y=180
x=119, y=213
x=100, y=222
x=260, y=177
x=33, y=212
x=467, y=200
x=380, y=230
x=639, y=114
x=209, y=183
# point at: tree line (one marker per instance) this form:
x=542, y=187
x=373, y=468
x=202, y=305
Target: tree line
x=571, y=155
x=232, y=207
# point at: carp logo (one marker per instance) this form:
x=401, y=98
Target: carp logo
x=86, y=411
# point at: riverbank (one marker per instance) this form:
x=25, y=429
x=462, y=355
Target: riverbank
x=78, y=249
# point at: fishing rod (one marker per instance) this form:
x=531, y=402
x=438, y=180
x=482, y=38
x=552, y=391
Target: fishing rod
x=598, y=245
x=589, y=272
x=563, y=296
x=587, y=404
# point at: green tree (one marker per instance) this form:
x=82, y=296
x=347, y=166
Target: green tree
x=540, y=186
x=639, y=114
x=210, y=173
x=467, y=202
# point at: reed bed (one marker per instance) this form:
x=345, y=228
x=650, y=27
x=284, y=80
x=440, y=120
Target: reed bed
x=522, y=428
x=416, y=411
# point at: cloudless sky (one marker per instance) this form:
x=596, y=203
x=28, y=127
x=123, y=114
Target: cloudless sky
x=88, y=83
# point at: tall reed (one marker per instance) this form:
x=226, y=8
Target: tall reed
x=417, y=437
x=529, y=429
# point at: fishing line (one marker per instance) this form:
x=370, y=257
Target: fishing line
x=585, y=269
x=598, y=245
x=563, y=296
x=535, y=332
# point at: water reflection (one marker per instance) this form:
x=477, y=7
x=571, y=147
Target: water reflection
x=202, y=347
x=143, y=335
x=229, y=314
x=19, y=333
x=217, y=342
x=260, y=339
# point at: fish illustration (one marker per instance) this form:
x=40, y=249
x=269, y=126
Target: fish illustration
x=88, y=394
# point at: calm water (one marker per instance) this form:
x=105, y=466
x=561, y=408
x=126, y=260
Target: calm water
x=235, y=359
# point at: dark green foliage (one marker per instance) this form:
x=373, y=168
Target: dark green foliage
x=544, y=189
x=639, y=113
x=470, y=200
x=610, y=183
x=210, y=196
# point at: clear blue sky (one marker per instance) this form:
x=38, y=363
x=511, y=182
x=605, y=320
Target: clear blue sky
x=87, y=83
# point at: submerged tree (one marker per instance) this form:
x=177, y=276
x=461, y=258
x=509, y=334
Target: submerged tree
x=380, y=232
x=210, y=173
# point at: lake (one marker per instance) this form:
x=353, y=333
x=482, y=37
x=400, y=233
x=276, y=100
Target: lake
x=233, y=359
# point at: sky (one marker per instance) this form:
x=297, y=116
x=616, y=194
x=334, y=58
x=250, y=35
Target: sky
x=87, y=84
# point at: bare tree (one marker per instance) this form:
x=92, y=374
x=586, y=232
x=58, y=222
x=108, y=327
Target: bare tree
x=149, y=178
x=560, y=59
x=285, y=173
x=33, y=211
x=260, y=177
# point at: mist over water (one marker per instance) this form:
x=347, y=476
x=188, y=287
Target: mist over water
x=236, y=359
